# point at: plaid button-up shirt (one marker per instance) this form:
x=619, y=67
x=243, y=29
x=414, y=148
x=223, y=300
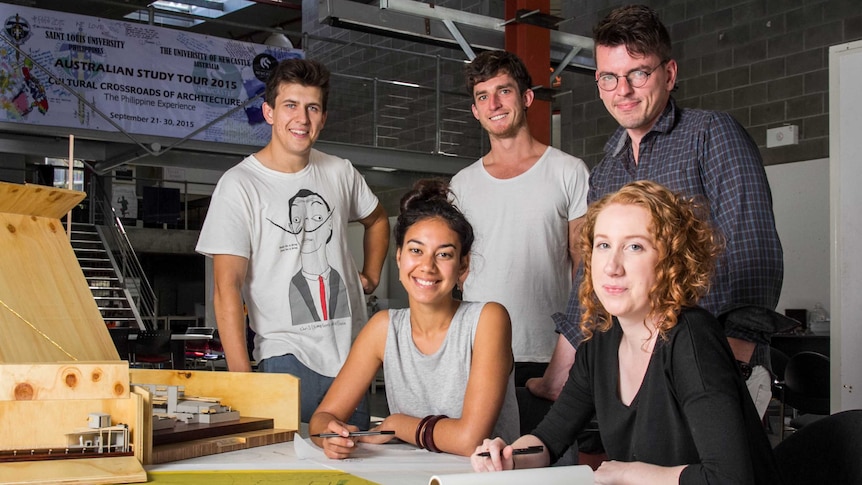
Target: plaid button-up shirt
x=707, y=154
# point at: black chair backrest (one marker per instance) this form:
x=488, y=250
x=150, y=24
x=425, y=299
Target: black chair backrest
x=827, y=451
x=807, y=373
x=153, y=342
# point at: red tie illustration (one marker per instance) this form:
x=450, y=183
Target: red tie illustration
x=323, y=297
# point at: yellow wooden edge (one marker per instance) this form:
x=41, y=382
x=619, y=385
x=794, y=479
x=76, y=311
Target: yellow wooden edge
x=258, y=477
x=89, y=471
x=38, y=200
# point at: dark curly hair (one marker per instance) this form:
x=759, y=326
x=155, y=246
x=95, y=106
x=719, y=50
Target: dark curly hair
x=430, y=198
x=298, y=71
x=492, y=63
x=638, y=28
x=687, y=251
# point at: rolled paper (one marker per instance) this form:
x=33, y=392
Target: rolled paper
x=557, y=475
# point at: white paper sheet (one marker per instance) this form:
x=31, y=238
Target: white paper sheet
x=557, y=475
x=391, y=463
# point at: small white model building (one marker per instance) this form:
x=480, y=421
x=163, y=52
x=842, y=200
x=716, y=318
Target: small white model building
x=99, y=420
x=173, y=403
x=103, y=438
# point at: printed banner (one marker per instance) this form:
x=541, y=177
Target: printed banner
x=147, y=80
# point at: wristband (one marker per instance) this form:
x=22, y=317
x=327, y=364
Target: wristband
x=419, y=427
x=429, y=433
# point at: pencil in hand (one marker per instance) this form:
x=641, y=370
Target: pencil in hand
x=530, y=450
x=352, y=433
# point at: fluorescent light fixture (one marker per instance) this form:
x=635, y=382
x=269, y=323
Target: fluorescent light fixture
x=409, y=85
x=212, y=9
x=383, y=169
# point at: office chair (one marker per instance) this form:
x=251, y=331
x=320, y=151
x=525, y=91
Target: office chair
x=152, y=348
x=205, y=351
x=805, y=388
x=827, y=451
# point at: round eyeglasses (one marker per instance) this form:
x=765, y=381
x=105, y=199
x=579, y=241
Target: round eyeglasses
x=636, y=78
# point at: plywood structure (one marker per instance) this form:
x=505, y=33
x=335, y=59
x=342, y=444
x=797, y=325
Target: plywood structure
x=45, y=302
x=66, y=380
x=58, y=363
x=40, y=403
x=86, y=471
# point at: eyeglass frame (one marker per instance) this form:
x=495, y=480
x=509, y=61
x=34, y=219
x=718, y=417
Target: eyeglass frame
x=627, y=78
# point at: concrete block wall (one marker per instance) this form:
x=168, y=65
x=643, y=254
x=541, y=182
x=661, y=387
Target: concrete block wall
x=763, y=61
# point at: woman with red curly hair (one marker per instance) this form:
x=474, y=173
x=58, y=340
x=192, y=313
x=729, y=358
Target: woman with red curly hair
x=654, y=369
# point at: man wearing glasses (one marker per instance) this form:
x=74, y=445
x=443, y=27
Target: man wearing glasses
x=699, y=153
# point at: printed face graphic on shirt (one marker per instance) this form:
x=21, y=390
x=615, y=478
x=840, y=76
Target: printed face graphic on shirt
x=317, y=291
x=310, y=221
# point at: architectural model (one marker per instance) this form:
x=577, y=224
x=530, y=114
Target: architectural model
x=170, y=404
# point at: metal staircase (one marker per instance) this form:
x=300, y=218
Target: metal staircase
x=112, y=269
x=115, y=302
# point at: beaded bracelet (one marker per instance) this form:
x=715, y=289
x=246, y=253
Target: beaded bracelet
x=429, y=433
x=419, y=427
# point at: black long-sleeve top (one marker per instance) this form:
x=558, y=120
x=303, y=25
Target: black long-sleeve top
x=692, y=408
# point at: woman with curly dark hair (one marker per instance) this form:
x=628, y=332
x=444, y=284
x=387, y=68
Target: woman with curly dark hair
x=655, y=369
x=448, y=363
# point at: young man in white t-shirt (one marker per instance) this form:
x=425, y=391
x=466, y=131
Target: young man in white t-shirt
x=277, y=232
x=526, y=203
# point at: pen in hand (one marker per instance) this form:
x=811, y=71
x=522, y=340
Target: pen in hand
x=352, y=433
x=519, y=451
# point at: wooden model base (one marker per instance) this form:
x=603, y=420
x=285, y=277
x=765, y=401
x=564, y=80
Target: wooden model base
x=182, y=432
x=220, y=444
x=240, y=391
x=95, y=471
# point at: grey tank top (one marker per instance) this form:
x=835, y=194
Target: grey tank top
x=419, y=384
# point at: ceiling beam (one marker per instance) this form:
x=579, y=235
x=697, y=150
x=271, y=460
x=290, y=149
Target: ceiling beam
x=426, y=23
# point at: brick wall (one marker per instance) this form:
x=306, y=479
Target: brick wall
x=763, y=61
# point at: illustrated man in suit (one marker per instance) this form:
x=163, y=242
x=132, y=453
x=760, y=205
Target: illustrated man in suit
x=317, y=292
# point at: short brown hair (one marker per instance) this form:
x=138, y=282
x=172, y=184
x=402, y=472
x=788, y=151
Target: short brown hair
x=298, y=71
x=687, y=247
x=492, y=63
x=638, y=28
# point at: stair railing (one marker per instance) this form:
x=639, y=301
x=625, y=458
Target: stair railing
x=134, y=282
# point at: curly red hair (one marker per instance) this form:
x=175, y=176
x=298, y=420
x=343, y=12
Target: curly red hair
x=686, y=243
